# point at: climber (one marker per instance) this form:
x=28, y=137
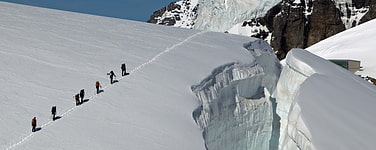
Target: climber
x=97, y=85
x=82, y=94
x=77, y=97
x=33, y=124
x=53, y=112
x=112, y=75
x=123, y=70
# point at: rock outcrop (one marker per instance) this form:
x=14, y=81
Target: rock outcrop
x=180, y=14
x=290, y=23
x=293, y=24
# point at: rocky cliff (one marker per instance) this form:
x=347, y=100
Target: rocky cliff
x=299, y=24
x=289, y=24
x=180, y=14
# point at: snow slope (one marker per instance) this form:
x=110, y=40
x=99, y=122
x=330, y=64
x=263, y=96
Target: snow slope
x=222, y=15
x=324, y=106
x=356, y=43
x=47, y=56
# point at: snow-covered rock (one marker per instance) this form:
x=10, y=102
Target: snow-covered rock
x=222, y=15
x=285, y=24
x=179, y=14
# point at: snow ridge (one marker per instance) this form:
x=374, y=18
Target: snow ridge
x=24, y=139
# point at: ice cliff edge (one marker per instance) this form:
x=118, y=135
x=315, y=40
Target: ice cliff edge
x=323, y=106
x=309, y=104
x=236, y=109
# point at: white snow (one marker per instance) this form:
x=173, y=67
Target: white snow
x=356, y=43
x=184, y=16
x=47, y=56
x=323, y=106
x=328, y=107
x=247, y=30
x=350, y=14
x=220, y=15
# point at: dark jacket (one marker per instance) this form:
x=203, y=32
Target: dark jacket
x=34, y=122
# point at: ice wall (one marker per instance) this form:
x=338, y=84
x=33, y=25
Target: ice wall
x=292, y=132
x=221, y=15
x=237, y=111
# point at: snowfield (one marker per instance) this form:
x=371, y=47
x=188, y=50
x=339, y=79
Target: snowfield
x=186, y=89
x=323, y=106
x=356, y=43
x=47, y=56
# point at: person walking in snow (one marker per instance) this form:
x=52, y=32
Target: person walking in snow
x=97, y=85
x=112, y=75
x=33, y=124
x=82, y=94
x=77, y=97
x=123, y=70
x=53, y=112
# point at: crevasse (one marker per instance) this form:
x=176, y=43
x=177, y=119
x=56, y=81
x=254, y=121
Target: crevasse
x=236, y=109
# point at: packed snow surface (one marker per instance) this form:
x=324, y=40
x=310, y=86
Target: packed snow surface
x=47, y=56
x=323, y=106
x=357, y=43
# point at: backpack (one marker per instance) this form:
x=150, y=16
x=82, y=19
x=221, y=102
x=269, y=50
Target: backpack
x=123, y=66
x=82, y=92
x=53, y=110
x=34, y=122
x=97, y=83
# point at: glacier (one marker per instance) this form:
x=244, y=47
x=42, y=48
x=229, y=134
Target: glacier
x=249, y=101
x=323, y=106
x=257, y=106
x=222, y=15
x=236, y=109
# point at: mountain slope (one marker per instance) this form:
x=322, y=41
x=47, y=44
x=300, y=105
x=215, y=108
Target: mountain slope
x=323, y=106
x=355, y=43
x=231, y=85
x=47, y=56
x=284, y=24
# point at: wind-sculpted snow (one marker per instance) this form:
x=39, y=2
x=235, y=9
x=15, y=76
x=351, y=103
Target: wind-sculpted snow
x=313, y=113
x=236, y=109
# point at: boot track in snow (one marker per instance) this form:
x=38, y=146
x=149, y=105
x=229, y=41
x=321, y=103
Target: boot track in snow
x=25, y=138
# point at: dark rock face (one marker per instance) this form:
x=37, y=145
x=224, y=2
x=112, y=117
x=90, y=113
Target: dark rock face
x=289, y=29
x=292, y=24
x=301, y=25
x=371, y=14
x=166, y=21
x=325, y=21
x=175, y=12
